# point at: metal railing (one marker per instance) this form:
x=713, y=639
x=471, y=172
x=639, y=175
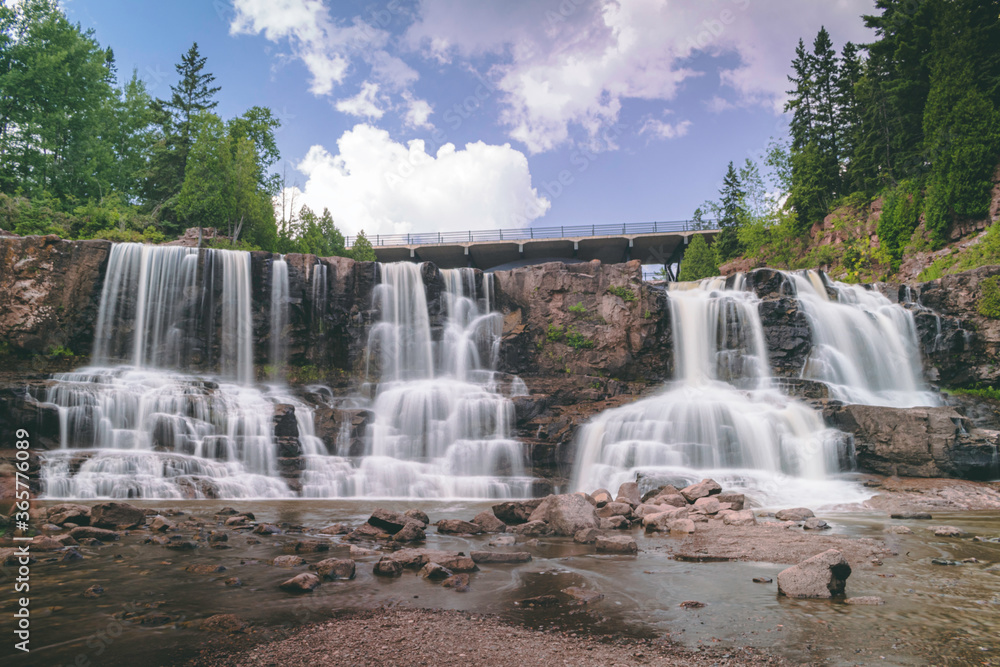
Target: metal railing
x=530, y=233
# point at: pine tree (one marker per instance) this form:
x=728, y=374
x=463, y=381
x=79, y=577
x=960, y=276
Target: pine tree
x=698, y=261
x=192, y=95
x=800, y=100
x=362, y=250
x=727, y=243
x=848, y=118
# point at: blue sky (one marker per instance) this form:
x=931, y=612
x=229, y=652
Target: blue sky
x=453, y=114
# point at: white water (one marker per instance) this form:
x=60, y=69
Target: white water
x=441, y=429
x=864, y=346
x=751, y=439
x=279, y=316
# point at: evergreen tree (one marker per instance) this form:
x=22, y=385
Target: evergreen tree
x=362, y=250
x=698, y=261
x=848, y=116
x=727, y=244
x=800, y=98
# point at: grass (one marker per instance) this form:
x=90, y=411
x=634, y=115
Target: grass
x=989, y=393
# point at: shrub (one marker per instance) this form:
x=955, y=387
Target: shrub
x=698, y=261
x=988, y=303
x=60, y=351
x=577, y=340
x=555, y=333
x=578, y=309
x=623, y=293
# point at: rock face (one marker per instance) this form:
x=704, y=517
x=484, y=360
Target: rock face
x=918, y=442
x=566, y=514
x=822, y=576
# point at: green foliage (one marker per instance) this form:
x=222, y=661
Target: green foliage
x=578, y=308
x=312, y=234
x=698, y=261
x=555, y=333
x=730, y=208
x=988, y=393
x=900, y=215
x=988, y=303
x=623, y=293
x=362, y=250
x=577, y=340
x=60, y=351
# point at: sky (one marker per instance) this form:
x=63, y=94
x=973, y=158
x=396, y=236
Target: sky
x=445, y=115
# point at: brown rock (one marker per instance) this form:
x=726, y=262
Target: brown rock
x=566, y=514
x=614, y=523
x=301, y=583
x=102, y=534
x=822, y=576
x=116, y=516
x=741, y=518
x=205, y=569
x=614, y=509
x=45, y=543
x=266, y=529
x=458, y=527
x=413, y=531
x=331, y=569
x=460, y=582
x=306, y=546
x=586, y=536
x=69, y=512
x=946, y=531
x=707, y=505
x=794, y=514
x=93, y=592
x=288, y=561
x=366, y=531
x=735, y=500
x=417, y=515
x=160, y=525
x=532, y=529
x=602, y=497
x=336, y=529
x=629, y=493
x=685, y=526
x=434, y=572
x=518, y=512
x=619, y=544
x=704, y=488
x=227, y=624
x=583, y=595
x=500, y=556
x=489, y=522
x=672, y=499
x=388, y=521
x=388, y=567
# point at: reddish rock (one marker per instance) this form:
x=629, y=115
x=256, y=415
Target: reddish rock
x=301, y=583
x=822, y=576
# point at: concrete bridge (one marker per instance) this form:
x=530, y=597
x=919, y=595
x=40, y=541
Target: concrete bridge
x=649, y=242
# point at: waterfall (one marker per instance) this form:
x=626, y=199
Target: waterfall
x=720, y=418
x=865, y=347
x=136, y=424
x=440, y=428
x=279, y=316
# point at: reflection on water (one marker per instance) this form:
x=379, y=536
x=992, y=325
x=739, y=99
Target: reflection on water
x=933, y=614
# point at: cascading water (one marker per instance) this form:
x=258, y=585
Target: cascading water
x=720, y=418
x=864, y=346
x=440, y=428
x=145, y=428
x=279, y=316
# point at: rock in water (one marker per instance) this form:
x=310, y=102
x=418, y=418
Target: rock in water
x=413, y=531
x=301, y=583
x=822, y=576
x=706, y=487
x=334, y=568
x=620, y=544
x=812, y=523
x=500, y=556
x=566, y=514
x=489, y=522
x=794, y=514
x=741, y=518
x=387, y=567
x=946, y=531
x=389, y=521
x=116, y=516
x=514, y=513
x=458, y=527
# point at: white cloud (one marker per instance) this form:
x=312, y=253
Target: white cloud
x=364, y=104
x=385, y=187
x=417, y=112
x=661, y=130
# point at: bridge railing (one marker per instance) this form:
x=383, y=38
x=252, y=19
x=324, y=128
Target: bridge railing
x=530, y=233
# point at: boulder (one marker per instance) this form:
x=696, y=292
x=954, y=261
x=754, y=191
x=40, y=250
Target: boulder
x=160, y=525
x=387, y=520
x=518, y=512
x=707, y=505
x=102, y=534
x=736, y=500
x=460, y=582
x=413, y=531
x=388, y=567
x=489, y=522
x=336, y=529
x=614, y=523
x=661, y=520
x=69, y=512
x=331, y=569
x=681, y=526
x=618, y=544
x=301, y=583
x=822, y=576
x=794, y=514
x=434, y=572
x=417, y=515
x=266, y=529
x=500, y=556
x=503, y=541
x=566, y=514
x=602, y=497
x=458, y=527
x=361, y=552
x=116, y=516
x=614, y=509
x=583, y=595
x=672, y=499
x=704, y=488
x=646, y=508
x=812, y=523
x=741, y=518
x=946, y=531
x=629, y=493
x=586, y=536
x=288, y=561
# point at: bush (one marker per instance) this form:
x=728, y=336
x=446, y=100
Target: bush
x=623, y=293
x=577, y=340
x=698, y=261
x=555, y=333
x=578, y=309
x=988, y=303
x=900, y=215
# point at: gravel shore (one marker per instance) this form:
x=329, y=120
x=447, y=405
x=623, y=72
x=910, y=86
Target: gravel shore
x=411, y=637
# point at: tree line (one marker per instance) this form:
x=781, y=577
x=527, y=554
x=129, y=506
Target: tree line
x=912, y=117
x=86, y=153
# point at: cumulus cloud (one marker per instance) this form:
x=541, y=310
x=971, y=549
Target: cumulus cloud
x=418, y=112
x=364, y=104
x=660, y=130
x=385, y=187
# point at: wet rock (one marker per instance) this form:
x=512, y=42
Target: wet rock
x=116, y=516
x=532, y=529
x=489, y=522
x=336, y=529
x=503, y=541
x=233, y=582
x=586, y=536
x=919, y=516
x=614, y=509
x=691, y=604
x=89, y=532
x=865, y=600
x=500, y=556
x=822, y=576
x=602, y=497
x=794, y=514
x=434, y=572
x=389, y=521
x=644, y=510
x=583, y=595
x=629, y=493
x=707, y=505
x=946, y=531
x=672, y=499
x=331, y=569
x=388, y=567
x=306, y=546
x=614, y=523
x=458, y=527
x=736, y=500
x=618, y=544
x=514, y=513
x=460, y=582
x=898, y=530
x=45, y=543
x=66, y=540
x=566, y=514
x=540, y=601
x=160, y=525
x=227, y=511
x=239, y=520
x=227, y=624
x=366, y=531
x=288, y=561
x=69, y=513
x=763, y=580
x=944, y=561
x=413, y=531
x=182, y=545
x=266, y=529
x=217, y=538
x=662, y=519
x=704, y=488
x=812, y=523
x=93, y=592
x=682, y=526
x=417, y=515
x=205, y=569
x=301, y=583
x=361, y=552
